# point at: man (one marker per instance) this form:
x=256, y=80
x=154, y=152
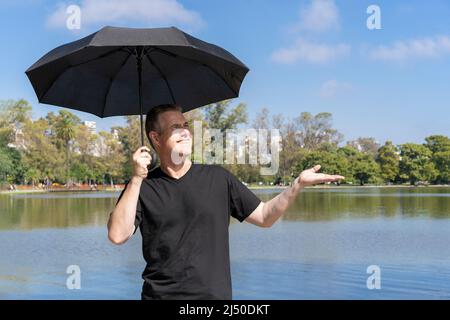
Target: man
x=183, y=212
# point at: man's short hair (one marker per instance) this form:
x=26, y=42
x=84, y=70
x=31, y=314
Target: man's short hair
x=151, y=120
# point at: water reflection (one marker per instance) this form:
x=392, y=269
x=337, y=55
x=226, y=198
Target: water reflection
x=30, y=211
x=63, y=210
x=337, y=203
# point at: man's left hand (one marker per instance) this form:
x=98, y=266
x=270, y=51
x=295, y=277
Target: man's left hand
x=310, y=177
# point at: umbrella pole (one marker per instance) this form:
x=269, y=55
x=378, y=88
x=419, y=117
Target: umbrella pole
x=139, y=69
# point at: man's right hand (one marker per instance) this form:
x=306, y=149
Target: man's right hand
x=122, y=218
x=141, y=160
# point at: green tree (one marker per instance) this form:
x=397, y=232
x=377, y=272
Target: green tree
x=84, y=162
x=388, y=158
x=65, y=128
x=81, y=171
x=6, y=165
x=441, y=161
x=332, y=162
x=346, y=159
x=415, y=163
x=438, y=143
x=440, y=147
x=326, y=159
x=41, y=157
x=364, y=168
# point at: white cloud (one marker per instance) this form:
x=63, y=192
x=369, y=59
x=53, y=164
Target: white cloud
x=303, y=50
x=423, y=48
x=332, y=88
x=149, y=12
x=319, y=16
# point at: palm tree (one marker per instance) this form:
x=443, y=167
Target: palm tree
x=65, y=131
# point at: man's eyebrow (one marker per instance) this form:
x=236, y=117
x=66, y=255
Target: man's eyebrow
x=186, y=122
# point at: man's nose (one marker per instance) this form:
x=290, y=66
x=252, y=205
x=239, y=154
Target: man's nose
x=185, y=133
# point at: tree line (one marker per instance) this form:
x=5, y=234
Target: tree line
x=59, y=148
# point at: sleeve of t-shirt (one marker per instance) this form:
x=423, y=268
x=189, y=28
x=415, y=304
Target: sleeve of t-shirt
x=242, y=201
x=138, y=219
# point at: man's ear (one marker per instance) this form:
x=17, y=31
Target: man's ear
x=155, y=138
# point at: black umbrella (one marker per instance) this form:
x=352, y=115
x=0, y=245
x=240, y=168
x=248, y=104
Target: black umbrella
x=127, y=71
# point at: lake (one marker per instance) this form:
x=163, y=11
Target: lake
x=320, y=249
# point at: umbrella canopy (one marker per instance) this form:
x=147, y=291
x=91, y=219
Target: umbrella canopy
x=127, y=71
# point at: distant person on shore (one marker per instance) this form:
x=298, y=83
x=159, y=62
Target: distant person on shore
x=183, y=212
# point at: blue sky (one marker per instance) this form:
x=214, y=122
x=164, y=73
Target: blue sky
x=314, y=55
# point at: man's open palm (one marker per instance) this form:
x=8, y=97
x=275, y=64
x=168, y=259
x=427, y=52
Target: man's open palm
x=310, y=177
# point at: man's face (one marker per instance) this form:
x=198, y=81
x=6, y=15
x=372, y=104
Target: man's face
x=175, y=136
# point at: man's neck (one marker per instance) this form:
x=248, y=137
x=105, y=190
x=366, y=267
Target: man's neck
x=175, y=170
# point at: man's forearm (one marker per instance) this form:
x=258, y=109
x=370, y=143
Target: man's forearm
x=121, y=221
x=273, y=209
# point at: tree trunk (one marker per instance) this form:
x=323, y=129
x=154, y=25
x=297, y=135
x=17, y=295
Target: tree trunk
x=67, y=162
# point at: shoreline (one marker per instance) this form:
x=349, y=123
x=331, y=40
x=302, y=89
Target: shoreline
x=352, y=186
x=248, y=186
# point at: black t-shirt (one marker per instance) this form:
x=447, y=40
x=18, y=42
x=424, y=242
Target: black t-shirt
x=184, y=226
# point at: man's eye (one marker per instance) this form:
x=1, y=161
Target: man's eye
x=181, y=126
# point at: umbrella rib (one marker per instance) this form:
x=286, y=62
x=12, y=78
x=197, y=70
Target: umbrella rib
x=76, y=65
x=162, y=75
x=99, y=57
x=203, y=64
x=111, y=82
